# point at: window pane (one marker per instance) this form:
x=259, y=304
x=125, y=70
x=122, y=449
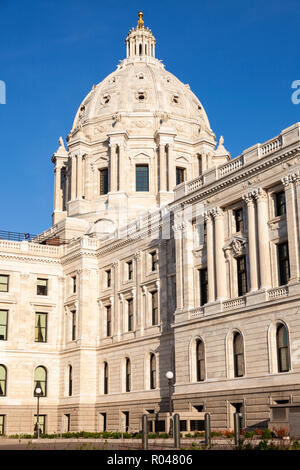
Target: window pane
x=2, y=418
x=142, y=178
x=103, y=181
x=2, y=381
x=42, y=286
x=3, y=283
x=41, y=327
x=3, y=324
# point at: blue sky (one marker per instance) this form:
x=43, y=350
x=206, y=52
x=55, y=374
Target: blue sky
x=239, y=57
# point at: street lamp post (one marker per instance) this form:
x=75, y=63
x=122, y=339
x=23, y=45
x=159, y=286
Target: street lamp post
x=170, y=376
x=38, y=392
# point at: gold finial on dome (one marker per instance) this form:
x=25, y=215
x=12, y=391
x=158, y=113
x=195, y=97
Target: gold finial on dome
x=140, y=21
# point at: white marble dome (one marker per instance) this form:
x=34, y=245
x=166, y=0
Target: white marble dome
x=139, y=87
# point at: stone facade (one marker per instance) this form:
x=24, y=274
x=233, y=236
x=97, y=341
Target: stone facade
x=137, y=270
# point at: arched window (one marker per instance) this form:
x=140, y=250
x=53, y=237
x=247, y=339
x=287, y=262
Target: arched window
x=282, y=342
x=128, y=375
x=238, y=355
x=152, y=371
x=70, y=381
x=40, y=379
x=105, y=378
x=200, y=361
x=140, y=49
x=3, y=377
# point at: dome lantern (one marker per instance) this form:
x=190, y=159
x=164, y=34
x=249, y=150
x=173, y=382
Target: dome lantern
x=140, y=42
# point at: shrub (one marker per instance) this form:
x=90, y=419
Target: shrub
x=152, y=435
x=164, y=435
x=267, y=434
x=188, y=435
x=198, y=434
x=249, y=434
x=216, y=433
x=280, y=432
x=295, y=445
x=258, y=431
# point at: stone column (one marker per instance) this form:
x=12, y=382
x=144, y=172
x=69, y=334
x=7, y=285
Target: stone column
x=210, y=256
x=79, y=176
x=113, y=173
x=73, y=177
x=252, y=243
x=137, y=300
x=57, y=187
x=114, y=305
x=162, y=167
x=120, y=316
x=263, y=237
x=291, y=201
x=143, y=308
x=171, y=168
x=220, y=266
x=122, y=169
x=178, y=250
x=188, y=265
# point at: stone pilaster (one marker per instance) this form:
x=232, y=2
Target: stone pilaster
x=263, y=237
x=220, y=265
x=73, y=177
x=292, y=200
x=210, y=256
x=252, y=243
x=162, y=167
x=113, y=173
x=179, y=265
x=188, y=265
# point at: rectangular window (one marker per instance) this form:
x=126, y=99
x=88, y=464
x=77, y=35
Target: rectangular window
x=73, y=325
x=41, y=327
x=280, y=206
x=108, y=320
x=108, y=278
x=130, y=269
x=283, y=263
x=130, y=314
x=180, y=175
x=239, y=220
x=203, y=286
x=154, y=260
x=42, y=286
x=2, y=423
x=3, y=324
x=142, y=177
x=3, y=283
x=42, y=423
x=74, y=284
x=242, y=275
x=103, y=181
x=154, y=302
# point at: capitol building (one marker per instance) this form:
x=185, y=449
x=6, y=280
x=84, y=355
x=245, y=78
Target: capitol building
x=164, y=254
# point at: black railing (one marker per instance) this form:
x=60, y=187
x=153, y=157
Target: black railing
x=16, y=236
x=29, y=237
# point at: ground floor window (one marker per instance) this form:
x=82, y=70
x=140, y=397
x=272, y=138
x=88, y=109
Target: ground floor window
x=2, y=421
x=183, y=425
x=197, y=425
x=42, y=423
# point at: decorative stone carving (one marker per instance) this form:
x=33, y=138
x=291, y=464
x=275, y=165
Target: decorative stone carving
x=235, y=247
